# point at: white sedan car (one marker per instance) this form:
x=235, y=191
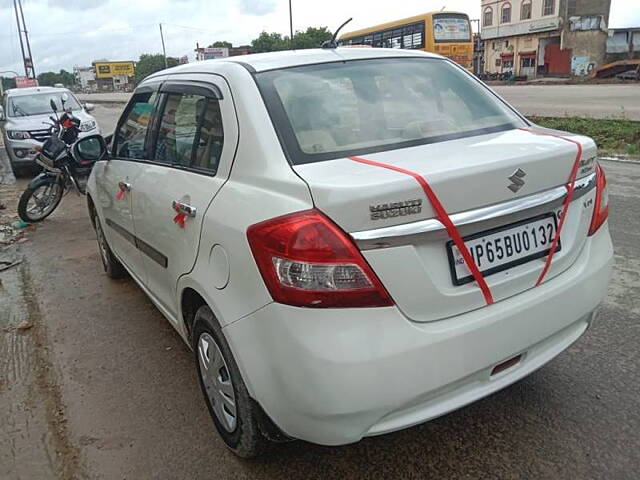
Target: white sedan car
x=352, y=241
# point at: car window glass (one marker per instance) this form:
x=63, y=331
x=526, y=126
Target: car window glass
x=332, y=110
x=324, y=118
x=133, y=130
x=40, y=104
x=191, y=132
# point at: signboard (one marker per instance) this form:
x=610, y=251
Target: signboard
x=215, y=52
x=24, y=82
x=111, y=69
x=451, y=29
x=551, y=24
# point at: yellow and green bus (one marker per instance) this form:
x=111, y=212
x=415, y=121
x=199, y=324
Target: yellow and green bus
x=445, y=33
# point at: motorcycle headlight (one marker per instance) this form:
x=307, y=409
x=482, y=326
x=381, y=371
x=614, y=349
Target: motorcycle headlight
x=87, y=126
x=18, y=135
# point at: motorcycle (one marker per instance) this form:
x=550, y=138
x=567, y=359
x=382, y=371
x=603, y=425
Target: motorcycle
x=61, y=170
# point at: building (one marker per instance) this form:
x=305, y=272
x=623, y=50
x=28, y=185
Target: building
x=85, y=79
x=544, y=37
x=623, y=44
x=210, y=53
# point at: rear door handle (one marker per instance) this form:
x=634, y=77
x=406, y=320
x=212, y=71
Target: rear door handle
x=124, y=186
x=180, y=207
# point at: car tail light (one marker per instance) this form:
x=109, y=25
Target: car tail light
x=601, y=207
x=307, y=261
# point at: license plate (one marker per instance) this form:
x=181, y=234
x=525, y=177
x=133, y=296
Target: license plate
x=505, y=247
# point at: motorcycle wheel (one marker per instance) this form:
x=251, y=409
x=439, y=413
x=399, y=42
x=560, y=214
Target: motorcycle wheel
x=38, y=202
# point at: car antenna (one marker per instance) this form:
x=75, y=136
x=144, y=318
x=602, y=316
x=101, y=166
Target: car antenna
x=332, y=43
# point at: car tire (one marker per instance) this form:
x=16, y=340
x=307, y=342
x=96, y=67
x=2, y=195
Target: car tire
x=245, y=439
x=112, y=266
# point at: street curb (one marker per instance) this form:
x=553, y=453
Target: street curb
x=109, y=102
x=621, y=159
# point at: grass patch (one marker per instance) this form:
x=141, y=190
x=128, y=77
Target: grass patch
x=612, y=136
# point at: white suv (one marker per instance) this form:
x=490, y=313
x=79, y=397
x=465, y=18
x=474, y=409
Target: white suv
x=25, y=115
x=352, y=241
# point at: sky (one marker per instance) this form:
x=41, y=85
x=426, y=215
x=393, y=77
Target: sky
x=65, y=33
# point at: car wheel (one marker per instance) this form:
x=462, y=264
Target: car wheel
x=233, y=412
x=112, y=266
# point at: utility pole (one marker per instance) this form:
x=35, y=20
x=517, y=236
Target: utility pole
x=290, y=26
x=27, y=58
x=26, y=39
x=15, y=6
x=164, y=51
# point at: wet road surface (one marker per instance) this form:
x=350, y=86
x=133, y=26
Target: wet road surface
x=131, y=406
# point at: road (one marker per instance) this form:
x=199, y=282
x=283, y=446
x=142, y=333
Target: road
x=107, y=116
x=596, y=101
x=115, y=393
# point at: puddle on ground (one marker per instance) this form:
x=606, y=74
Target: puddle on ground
x=26, y=443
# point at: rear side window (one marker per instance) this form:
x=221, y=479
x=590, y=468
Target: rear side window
x=191, y=133
x=334, y=110
x=130, y=138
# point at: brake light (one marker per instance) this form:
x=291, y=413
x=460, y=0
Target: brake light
x=307, y=261
x=601, y=206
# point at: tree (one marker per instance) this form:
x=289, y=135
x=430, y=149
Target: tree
x=312, y=38
x=8, y=83
x=221, y=44
x=152, y=63
x=48, y=79
x=66, y=78
x=273, y=42
x=269, y=42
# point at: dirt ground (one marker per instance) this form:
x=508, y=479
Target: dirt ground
x=98, y=385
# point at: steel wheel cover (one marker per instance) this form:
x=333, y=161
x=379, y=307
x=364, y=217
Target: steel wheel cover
x=102, y=244
x=217, y=382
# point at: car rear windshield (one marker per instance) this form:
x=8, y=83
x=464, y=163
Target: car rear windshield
x=333, y=110
x=39, y=104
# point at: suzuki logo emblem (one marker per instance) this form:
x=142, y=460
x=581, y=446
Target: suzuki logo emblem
x=517, y=181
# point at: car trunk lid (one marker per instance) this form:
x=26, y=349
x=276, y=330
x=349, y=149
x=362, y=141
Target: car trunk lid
x=482, y=172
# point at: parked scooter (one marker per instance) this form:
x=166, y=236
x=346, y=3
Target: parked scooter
x=61, y=170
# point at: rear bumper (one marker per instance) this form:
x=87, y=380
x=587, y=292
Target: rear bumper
x=334, y=376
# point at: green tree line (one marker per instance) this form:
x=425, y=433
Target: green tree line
x=8, y=82
x=265, y=42
x=49, y=79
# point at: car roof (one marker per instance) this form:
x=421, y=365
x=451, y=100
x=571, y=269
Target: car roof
x=13, y=92
x=260, y=62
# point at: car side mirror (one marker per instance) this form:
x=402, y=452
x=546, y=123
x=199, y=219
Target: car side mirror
x=54, y=107
x=89, y=107
x=90, y=149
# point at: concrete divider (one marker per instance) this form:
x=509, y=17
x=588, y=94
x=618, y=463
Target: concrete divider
x=118, y=97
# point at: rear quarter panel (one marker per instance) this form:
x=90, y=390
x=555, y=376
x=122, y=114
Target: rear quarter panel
x=261, y=185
